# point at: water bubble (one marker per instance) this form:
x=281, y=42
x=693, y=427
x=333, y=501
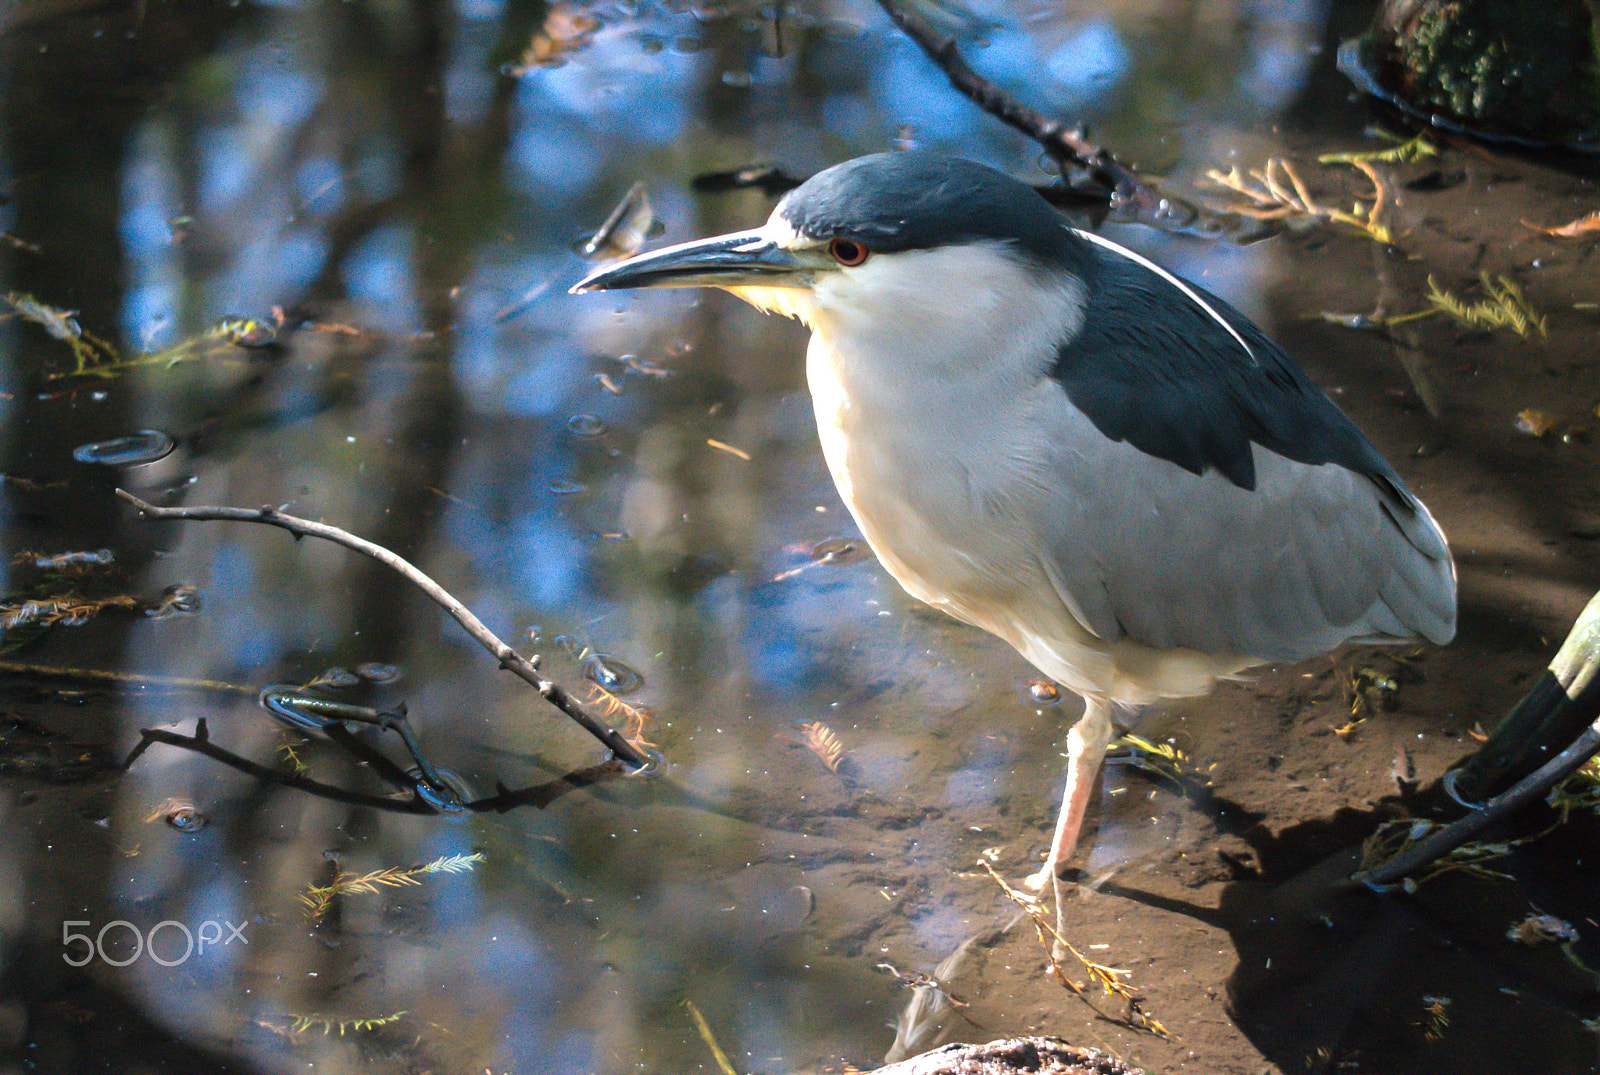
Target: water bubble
x=839, y=551
x=612, y=675
x=1044, y=692
x=145, y=446
x=377, y=672
x=337, y=677
x=568, y=645
x=185, y=818
x=179, y=600
x=566, y=487
x=651, y=44
x=740, y=80
x=687, y=44
x=585, y=425
x=449, y=796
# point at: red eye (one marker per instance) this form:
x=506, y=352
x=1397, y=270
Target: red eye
x=848, y=252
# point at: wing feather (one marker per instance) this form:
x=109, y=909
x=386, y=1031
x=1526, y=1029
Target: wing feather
x=1143, y=549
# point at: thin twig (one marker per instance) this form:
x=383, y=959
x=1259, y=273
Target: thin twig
x=509, y=658
x=201, y=743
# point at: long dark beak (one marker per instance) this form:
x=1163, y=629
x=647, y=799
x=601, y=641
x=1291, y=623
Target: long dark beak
x=746, y=258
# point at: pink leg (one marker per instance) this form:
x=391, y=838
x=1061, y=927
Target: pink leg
x=1086, y=748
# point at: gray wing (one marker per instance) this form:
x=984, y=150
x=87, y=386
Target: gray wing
x=1312, y=556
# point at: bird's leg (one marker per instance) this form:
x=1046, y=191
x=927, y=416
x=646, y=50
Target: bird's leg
x=1086, y=748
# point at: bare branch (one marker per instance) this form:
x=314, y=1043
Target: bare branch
x=509, y=658
x=1068, y=146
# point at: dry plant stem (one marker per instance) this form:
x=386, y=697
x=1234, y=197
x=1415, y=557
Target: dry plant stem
x=509, y=658
x=1066, y=145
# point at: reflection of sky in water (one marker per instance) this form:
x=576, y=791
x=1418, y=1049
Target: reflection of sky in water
x=806, y=646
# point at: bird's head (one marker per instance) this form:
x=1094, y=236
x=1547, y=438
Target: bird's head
x=894, y=239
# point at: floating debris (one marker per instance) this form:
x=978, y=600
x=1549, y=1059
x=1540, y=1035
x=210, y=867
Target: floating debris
x=318, y=897
x=645, y=368
x=1437, y=1010
x=246, y=332
x=704, y=1030
x=1539, y=929
x=377, y=672
x=299, y=1024
x=182, y=599
x=74, y=610
x=1161, y=759
x=336, y=678
x=824, y=743
x=626, y=230
x=1584, y=225
x=567, y=28
x=730, y=449
x=180, y=814
x=566, y=487
x=1276, y=192
x=1419, y=147
x=585, y=425
x=1505, y=307
x=58, y=323
x=839, y=551
x=611, y=675
x=66, y=561
x=136, y=449
x=927, y=1014
x=1534, y=423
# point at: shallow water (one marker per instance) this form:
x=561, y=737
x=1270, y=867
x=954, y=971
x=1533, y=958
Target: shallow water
x=630, y=486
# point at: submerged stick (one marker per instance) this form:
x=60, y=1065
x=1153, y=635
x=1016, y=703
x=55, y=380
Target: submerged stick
x=509, y=659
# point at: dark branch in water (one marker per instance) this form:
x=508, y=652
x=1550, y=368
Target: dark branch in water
x=509, y=658
x=503, y=800
x=201, y=743
x=1083, y=164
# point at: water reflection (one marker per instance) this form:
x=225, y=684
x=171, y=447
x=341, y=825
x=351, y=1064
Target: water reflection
x=638, y=475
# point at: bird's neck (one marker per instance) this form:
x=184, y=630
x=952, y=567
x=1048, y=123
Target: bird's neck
x=937, y=332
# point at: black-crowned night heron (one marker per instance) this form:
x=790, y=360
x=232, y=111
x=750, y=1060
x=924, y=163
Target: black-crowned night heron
x=1056, y=440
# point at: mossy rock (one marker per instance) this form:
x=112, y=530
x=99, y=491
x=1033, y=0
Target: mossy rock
x=1525, y=70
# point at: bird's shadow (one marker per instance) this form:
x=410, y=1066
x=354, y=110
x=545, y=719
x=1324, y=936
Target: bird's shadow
x=1335, y=977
